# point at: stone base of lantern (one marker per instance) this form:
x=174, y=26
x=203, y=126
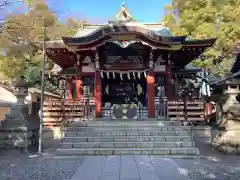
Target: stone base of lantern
x=227, y=140
x=15, y=129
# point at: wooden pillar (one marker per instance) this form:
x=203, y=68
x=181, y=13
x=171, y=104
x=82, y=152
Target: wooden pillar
x=177, y=87
x=98, y=94
x=151, y=94
x=70, y=88
x=169, y=77
x=79, y=79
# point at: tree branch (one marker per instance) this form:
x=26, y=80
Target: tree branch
x=8, y=3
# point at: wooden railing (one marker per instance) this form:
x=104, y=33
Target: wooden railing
x=195, y=111
x=63, y=112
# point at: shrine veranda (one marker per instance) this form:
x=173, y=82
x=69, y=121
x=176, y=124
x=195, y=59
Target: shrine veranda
x=124, y=66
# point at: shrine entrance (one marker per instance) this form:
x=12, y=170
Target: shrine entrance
x=124, y=90
x=124, y=95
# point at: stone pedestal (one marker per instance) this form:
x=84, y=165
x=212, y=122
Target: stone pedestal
x=14, y=128
x=228, y=122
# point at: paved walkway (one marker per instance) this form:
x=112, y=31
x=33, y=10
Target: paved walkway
x=47, y=166
x=129, y=168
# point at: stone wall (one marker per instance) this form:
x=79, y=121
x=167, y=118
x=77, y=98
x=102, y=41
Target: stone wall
x=15, y=138
x=51, y=137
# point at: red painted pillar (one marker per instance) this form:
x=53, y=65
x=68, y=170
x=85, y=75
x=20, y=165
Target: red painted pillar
x=78, y=88
x=98, y=94
x=151, y=94
x=70, y=88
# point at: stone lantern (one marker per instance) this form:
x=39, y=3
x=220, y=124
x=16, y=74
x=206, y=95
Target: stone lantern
x=20, y=90
x=227, y=137
x=15, y=124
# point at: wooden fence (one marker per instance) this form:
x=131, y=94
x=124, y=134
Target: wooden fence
x=63, y=112
x=195, y=110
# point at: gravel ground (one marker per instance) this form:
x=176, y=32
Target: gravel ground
x=212, y=169
x=45, y=167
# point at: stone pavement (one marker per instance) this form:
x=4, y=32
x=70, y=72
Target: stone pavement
x=138, y=167
x=48, y=166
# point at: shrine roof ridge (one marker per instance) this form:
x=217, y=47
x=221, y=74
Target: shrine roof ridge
x=129, y=31
x=123, y=29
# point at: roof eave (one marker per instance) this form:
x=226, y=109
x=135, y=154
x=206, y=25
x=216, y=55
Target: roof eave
x=55, y=44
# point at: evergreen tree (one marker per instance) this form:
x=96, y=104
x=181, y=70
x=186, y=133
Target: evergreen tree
x=199, y=19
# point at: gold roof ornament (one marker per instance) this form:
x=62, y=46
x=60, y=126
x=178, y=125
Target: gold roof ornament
x=123, y=14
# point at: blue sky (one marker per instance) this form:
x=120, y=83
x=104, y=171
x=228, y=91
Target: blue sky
x=100, y=11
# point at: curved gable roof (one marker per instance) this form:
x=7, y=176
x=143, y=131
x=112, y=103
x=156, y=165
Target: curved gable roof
x=138, y=31
x=164, y=32
x=159, y=29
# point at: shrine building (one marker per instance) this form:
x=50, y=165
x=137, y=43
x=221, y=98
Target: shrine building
x=125, y=62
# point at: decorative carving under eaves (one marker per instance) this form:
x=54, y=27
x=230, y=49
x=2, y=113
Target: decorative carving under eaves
x=124, y=44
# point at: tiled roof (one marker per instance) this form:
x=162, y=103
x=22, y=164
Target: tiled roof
x=124, y=16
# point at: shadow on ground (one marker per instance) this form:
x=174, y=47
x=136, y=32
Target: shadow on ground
x=212, y=154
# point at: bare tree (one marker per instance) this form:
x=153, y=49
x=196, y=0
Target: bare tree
x=5, y=5
x=9, y=2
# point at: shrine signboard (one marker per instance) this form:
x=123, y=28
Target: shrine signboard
x=118, y=63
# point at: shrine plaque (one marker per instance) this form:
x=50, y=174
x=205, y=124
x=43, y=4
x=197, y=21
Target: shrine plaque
x=124, y=37
x=117, y=63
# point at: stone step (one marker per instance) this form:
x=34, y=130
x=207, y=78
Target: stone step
x=136, y=128
x=199, y=156
x=127, y=151
x=121, y=123
x=127, y=133
x=90, y=145
x=128, y=139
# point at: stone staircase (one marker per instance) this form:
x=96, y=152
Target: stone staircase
x=127, y=137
